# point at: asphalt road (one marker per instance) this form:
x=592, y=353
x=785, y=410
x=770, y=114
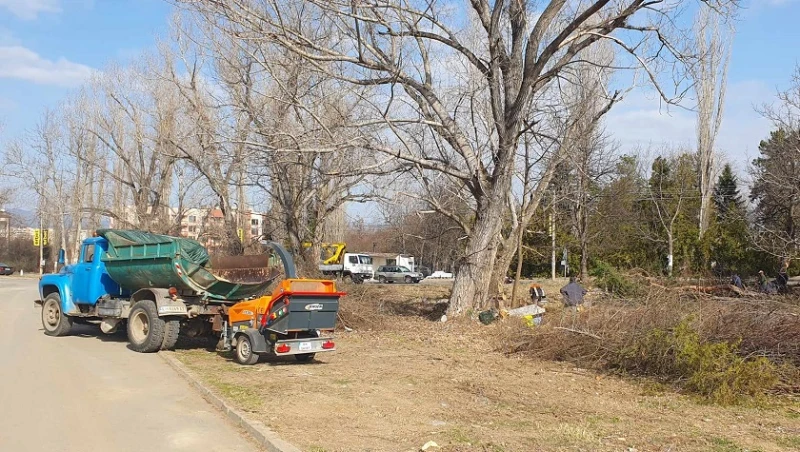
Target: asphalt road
x=88, y=392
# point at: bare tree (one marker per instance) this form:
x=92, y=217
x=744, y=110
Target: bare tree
x=288, y=120
x=714, y=38
x=575, y=137
x=513, y=51
x=135, y=122
x=670, y=188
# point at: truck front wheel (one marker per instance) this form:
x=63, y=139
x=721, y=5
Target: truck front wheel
x=244, y=351
x=146, y=330
x=54, y=321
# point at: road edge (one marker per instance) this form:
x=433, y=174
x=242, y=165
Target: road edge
x=258, y=431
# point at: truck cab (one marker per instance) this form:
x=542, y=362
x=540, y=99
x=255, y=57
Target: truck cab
x=82, y=283
x=355, y=266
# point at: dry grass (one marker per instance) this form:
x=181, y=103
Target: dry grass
x=399, y=380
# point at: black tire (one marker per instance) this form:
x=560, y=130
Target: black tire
x=305, y=357
x=54, y=322
x=244, y=351
x=357, y=279
x=146, y=330
x=408, y=279
x=172, y=329
x=382, y=279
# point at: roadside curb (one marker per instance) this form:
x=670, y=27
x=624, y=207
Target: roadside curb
x=258, y=431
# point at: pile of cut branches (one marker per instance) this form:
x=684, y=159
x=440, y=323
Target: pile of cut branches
x=722, y=349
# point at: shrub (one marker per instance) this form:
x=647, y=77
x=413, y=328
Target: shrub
x=611, y=280
x=713, y=370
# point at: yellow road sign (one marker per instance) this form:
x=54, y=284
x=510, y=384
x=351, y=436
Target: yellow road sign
x=45, y=236
x=37, y=237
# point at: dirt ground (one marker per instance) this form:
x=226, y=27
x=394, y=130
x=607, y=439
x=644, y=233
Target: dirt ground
x=399, y=380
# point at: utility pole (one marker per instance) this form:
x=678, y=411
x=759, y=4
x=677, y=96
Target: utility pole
x=553, y=244
x=41, y=244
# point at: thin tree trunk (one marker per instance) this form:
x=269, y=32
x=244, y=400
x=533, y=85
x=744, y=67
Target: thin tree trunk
x=670, y=255
x=518, y=274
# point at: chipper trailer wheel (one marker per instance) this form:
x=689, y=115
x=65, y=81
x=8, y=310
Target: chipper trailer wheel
x=54, y=321
x=146, y=330
x=244, y=351
x=305, y=357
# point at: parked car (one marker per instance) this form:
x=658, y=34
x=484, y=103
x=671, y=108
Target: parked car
x=394, y=273
x=6, y=269
x=438, y=274
x=425, y=271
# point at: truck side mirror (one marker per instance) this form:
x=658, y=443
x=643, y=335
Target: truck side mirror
x=61, y=258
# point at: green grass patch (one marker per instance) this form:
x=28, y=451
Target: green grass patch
x=243, y=396
x=789, y=442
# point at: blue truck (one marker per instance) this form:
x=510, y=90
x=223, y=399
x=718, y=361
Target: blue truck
x=157, y=286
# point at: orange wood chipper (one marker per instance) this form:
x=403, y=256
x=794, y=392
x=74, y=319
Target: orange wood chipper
x=298, y=319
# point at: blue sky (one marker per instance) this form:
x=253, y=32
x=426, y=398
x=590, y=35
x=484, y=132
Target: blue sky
x=48, y=47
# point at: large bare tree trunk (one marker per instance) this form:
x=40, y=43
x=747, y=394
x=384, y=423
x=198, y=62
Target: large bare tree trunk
x=471, y=286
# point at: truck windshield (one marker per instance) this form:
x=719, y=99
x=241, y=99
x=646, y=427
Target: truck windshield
x=365, y=259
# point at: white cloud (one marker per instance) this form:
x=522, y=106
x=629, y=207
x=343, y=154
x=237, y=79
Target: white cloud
x=30, y=9
x=20, y=63
x=640, y=121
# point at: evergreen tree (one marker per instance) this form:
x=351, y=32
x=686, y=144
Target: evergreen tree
x=729, y=241
x=726, y=193
x=776, y=189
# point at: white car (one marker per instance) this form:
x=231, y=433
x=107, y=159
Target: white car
x=440, y=275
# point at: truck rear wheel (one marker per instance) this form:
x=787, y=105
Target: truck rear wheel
x=172, y=327
x=146, y=330
x=54, y=321
x=244, y=351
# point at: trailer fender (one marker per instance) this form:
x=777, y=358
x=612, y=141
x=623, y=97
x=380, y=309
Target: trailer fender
x=257, y=340
x=166, y=305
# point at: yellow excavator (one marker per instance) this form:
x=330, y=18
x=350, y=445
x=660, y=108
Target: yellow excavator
x=332, y=253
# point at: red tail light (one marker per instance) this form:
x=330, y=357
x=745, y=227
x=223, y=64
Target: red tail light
x=327, y=345
x=283, y=348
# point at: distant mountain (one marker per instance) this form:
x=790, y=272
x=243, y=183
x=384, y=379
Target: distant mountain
x=22, y=218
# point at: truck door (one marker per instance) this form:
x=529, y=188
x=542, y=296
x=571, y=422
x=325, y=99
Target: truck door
x=351, y=264
x=83, y=278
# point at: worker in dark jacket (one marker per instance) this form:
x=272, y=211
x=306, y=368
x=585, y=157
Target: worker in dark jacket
x=573, y=293
x=737, y=281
